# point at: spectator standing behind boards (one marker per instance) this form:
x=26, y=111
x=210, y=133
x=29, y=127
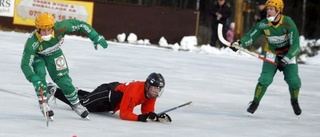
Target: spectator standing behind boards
x=230, y=32
x=220, y=12
x=260, y=15
x=261, y=10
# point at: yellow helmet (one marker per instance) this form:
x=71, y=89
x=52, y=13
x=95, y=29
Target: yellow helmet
x=275, y=3
x=44, y=21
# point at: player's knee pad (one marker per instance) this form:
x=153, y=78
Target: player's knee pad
x=294, y=82
x=265, y=81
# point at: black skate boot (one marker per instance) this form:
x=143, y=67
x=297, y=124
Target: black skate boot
x=252, y=107
x=295, y=106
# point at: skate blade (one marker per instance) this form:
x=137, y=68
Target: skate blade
x=249, y=114
x=50, y=118
x=87, y=118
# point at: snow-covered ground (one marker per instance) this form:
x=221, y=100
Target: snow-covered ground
x=220, y=84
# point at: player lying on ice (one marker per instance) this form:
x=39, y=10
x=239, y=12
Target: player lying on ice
x=124, y=97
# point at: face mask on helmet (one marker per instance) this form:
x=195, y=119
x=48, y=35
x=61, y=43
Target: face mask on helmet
x=44, y=21
x=45, y=34
x=272, y=18
x=154, y=92
x=154, y=85
x=47, y=37
x=278, y=4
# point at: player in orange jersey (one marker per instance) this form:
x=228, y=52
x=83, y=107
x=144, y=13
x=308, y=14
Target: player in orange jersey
x=125, y=97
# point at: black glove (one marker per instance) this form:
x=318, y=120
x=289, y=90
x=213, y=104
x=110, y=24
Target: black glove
x=234, y=44
x=283, y=63
x=147, y=117
x=164, y=118
x=151, y=116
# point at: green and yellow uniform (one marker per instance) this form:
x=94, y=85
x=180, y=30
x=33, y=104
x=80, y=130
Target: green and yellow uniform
x=282, y=41
x=39, y=54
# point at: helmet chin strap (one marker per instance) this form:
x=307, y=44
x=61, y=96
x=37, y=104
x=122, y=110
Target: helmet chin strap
x=272, y=18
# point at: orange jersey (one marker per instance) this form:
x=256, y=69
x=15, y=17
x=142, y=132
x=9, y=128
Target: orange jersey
x=133, y=95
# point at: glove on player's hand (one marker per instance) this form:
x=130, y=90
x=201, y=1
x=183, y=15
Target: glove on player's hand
x=151, y=116
x=164, y=118
x=99, y=40
x=283, y=63
x=234, y=44
x=38, y=84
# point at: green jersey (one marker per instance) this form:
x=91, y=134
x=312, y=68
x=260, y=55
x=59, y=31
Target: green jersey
x=37, y=47
x=283, y=35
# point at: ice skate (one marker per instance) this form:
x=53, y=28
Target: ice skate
x=295, y=106
x=47, y=110
x=51, y=90
x=80, y=110
x=252, y=107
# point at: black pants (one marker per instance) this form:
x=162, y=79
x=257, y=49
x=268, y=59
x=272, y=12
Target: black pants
x=102, y=99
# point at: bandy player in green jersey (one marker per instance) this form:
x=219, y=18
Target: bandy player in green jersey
x=282, y=46
x=42, y=50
